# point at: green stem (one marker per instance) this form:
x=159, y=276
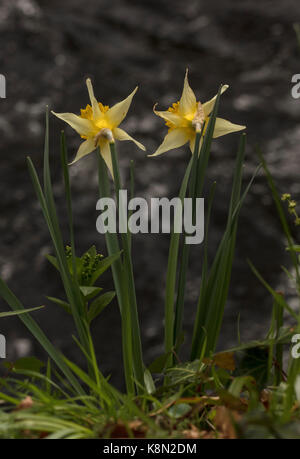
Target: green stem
x=186, y=249
x=112, y=245
x=128, y=272
x=279, y=346
x=171, y=275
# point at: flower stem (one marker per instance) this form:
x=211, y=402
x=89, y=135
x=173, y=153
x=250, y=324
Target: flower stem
x=121, y=291
x=185, y=251
x=128, y=273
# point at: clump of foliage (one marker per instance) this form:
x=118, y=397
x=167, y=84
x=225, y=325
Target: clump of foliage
x=243, y=392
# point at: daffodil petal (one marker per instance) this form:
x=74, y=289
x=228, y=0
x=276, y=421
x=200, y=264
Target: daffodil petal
x=223, y=127
x=117, y=112
x=85, y=148
x=81, y=125
x=174, y=118
x=106, y=155
x=174, y=139
x=119, y=134
x=192, y=143
x=209, y=105
x=96, y=110
x=187, y=103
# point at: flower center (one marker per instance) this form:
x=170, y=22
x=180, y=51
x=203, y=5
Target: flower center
x=199, y=118
x=87, y=112
x=187, y=120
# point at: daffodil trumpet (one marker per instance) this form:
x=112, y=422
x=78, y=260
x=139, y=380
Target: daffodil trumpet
x=98, y=125
x=187, y=117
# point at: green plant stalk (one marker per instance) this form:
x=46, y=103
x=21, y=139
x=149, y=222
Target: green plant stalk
x=131, y=196
x=282, y=217
x=214, y=287
x=102, y=389
x=278, y=310
x=275, y=347
x=199, y=166
x=293, y=373
x=294, y=364
x=59, y=250
x=227, y=250
x=128, y=272
x=49, y=210
x=200, y=314
x=64, y=163
x=112, y=245
x=186, y=248
x=171, y=276
x=111, y=239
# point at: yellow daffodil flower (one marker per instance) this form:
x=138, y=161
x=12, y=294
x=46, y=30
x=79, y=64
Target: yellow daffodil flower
x=186, y=117
x=98, y=125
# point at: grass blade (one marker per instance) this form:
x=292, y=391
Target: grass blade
x=36, y=331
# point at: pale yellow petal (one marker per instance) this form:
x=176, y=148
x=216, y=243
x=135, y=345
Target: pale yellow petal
x=174, y=139
x=192, y=143
x=85, y=148
x=120, y=134
x=106, y=155
x=187, y=103
x=174, y=118
x=96, y=110
x=117, y=112
x=81, y=125
x=208, y=106
x=223, y=127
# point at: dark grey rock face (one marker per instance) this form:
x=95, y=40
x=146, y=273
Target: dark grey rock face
x=47, y=51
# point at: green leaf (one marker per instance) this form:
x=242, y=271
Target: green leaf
x=172, y=275
x=47, y=203
x=53, y=261
x=295, y=248
x=113, y=247
x=284, y=337
x=104, y=265
x=28, y=363
x=61, y=303
x=87, y=379
x=179, y=410
x=281, y=214
x=149, y=383
x=89, y=292
x=254, y=363
x=159, y=364
x=36, y=331
x=129, y=284
x=215, y=285
x=99, y=304
x=277, y=297
x=249, y=382
x=21, y=311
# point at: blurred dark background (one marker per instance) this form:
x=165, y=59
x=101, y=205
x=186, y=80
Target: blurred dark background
x=47, y=51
